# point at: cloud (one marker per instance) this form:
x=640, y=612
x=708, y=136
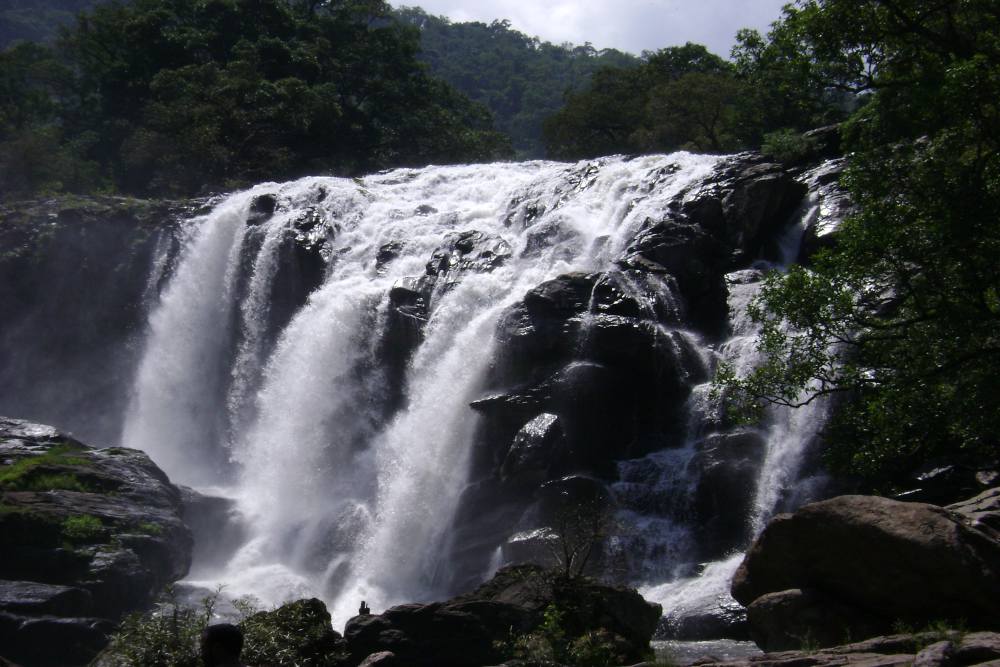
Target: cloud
x=628, y=25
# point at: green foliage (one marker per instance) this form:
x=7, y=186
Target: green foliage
x=167, y=637
x=900, y=318
x=551, y=642
x=179, y=96
x=787, y=145
x=547, y=643
x=679, y=97
x=28, y=473
x=150, y=528
x=521, y=79
x=298, y=633
x=936, y=631
x=594, y=649
x=82, y=529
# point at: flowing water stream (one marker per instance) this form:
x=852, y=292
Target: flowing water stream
x=349, y=496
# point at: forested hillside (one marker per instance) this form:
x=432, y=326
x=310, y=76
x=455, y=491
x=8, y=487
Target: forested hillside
x=181, y=96
x=521, y=79
x=37, y=20
x=685, y=97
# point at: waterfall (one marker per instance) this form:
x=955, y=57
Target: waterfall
x=348, y=498
x=175, y=411
x=349, y=470
x=702, y=589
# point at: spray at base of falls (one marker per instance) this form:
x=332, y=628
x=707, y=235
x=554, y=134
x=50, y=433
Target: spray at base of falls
x=348, y=493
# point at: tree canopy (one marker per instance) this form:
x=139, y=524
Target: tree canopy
x=679, y=97
x=176, y=96
x=521, y=79
x=900, y=318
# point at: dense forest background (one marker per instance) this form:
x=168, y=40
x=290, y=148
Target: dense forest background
x=898, y=320
x=182, y=97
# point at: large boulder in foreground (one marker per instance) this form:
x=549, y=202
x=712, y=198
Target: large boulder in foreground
x=88, y=535
x=860, y=564
x=469, y=630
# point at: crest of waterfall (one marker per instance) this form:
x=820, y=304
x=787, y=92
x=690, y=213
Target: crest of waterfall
x=349, y=496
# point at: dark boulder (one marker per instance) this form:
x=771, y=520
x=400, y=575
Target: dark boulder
x=553, y=233
x=262, y=207
x=946, y=648
x=304, y=254
x=944, y=482
x=89, y=535
x=788, y=620
x=726, y=466
x=469, y=630
x=536, y=449
x=886, y=560
x=981, y=512
x=411, y=299
x=381, y=659
x=387, y=252
x=690, y=254
x=832, y=206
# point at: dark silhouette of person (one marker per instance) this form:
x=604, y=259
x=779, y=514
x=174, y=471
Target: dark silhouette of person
x=365, y=610
x=221, y=645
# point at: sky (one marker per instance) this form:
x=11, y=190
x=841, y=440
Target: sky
x=627, y=25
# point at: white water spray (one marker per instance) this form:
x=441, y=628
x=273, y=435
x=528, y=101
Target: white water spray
x=344, y=502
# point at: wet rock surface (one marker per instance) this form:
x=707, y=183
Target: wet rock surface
x=854, y=566
x=88, y=535
x=926, y=649
x=465, y=630
x=74, y=279
x=613, y=357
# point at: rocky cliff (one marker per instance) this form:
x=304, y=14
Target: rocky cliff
x=88, y=535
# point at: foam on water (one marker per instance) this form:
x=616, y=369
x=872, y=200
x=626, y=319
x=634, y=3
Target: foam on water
x=343, y=503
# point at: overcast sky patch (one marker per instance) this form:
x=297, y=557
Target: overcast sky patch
x=627, y=25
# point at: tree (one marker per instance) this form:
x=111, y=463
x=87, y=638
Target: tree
x=180, y=96
x=578, y=529
x=519, y=78
x=901, y=318
x=680, y=97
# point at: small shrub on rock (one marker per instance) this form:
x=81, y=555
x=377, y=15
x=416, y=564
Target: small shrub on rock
x=168, y=637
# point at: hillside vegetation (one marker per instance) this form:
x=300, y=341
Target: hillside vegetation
x=521, y=79
x=182, y=96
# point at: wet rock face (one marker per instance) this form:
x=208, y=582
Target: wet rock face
x=871, y=562
x=725, y=223
x=303, y=255
x=728, y=465
x=925, y=649
x=467, y=630
x=411, y=299
x=88, y=535
x=73, y=278
x=613, y=356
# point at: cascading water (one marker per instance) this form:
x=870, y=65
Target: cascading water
x=701, y=594
x=344, y=502
x=348, y=472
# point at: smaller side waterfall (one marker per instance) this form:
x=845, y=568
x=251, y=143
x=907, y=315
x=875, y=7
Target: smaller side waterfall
x=765, y=477
x=175, y=414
